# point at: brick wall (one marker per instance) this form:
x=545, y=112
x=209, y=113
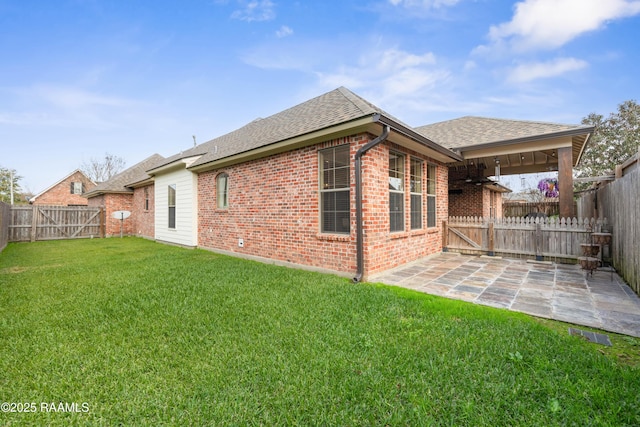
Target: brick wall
x=143, y=211
x=111, y=203
x=469, y=199
x=61, y=195
x=274, y=209
x=384, y=249
x=468, y=202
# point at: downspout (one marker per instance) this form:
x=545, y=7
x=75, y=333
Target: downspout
x=359, y=229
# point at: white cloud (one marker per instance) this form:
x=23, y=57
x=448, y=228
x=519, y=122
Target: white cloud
x=549, y=24
x=70, y=97
x=424, y=4
x=393, y=75
x=67, y=106
x=533, y=71
x=284, y=31
x=255, y=10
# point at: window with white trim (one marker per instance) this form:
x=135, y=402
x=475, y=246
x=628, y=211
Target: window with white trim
x=396, y=191
x=335, y=191
x=171, y=201
x=76, y=187
x=222, y=191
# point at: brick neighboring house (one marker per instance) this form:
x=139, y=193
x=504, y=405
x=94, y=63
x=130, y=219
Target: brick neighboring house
x=131, y=190
x=334, y=182
x=65, y=192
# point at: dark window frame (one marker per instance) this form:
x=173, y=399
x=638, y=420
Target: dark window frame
x=335, y=189
x=397, y=175
x=416, y=180
x=432, y=173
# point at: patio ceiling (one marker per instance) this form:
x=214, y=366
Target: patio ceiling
x=518, y=146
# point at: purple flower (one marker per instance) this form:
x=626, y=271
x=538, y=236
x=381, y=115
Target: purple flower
x=548, y=187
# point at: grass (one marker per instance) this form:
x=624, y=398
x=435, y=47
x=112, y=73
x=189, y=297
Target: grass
x=150, y=334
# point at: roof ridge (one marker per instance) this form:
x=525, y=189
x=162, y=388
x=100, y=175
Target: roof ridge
x=362, y=104
x=499, y=119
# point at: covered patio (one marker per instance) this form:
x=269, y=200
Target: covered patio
x=542, y=289
x=494, y=147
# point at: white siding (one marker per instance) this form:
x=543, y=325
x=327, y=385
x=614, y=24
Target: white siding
x=186, y=231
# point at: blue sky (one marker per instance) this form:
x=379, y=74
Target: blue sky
x=80, y=78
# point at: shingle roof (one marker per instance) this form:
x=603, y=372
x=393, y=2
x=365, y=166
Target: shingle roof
x=333, y=108
x=120, y=183
x=468, y=131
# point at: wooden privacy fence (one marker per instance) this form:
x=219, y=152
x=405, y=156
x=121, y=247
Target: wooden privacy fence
x=5, y=218
x=549, y=238
x=31, y=223
x=510, y=209
x=620, y=202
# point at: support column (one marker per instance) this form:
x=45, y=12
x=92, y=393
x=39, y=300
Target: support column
x=565, y=182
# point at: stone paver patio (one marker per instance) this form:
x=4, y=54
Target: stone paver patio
x=554, y=291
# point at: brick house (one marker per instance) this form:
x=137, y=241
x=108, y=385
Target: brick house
x=292, y=186
x=65, y=192
x=334, y=183
x=131, y=190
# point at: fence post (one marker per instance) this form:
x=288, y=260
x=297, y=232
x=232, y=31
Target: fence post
x=445, y=235
x=34, y=223
x=491, y=239
x=538, y=241
x=103, y=223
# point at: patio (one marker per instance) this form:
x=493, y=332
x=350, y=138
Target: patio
x=555, y=291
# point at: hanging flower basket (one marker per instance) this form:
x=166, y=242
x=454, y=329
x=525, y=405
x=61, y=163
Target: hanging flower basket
x=548, y=187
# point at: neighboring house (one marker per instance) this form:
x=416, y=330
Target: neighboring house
x=65, y=192
x=131, y=190
x=334, y=183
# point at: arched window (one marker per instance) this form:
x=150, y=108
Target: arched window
x=222, y=191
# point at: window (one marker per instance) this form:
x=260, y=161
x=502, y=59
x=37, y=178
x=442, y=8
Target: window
x=431, y=195
x=415, y=175
x=222, y=191
x=146, y=198
x=335, y=190
x=396, y=191
x=76, y=188
x=172, y=205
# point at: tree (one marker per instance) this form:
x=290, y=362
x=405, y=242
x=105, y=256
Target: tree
x=614, y=140
x=5, y=185
x=100, y=170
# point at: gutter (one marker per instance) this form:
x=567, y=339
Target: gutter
x=359, y=231
x=571, y=132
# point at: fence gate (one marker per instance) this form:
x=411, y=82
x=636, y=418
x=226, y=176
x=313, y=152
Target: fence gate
x=31, y=223
x=521, y=237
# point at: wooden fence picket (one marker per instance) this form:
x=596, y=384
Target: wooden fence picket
x=530, y=237
x=31, y=223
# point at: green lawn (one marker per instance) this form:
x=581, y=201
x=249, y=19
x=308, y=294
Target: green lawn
x=138, y=333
